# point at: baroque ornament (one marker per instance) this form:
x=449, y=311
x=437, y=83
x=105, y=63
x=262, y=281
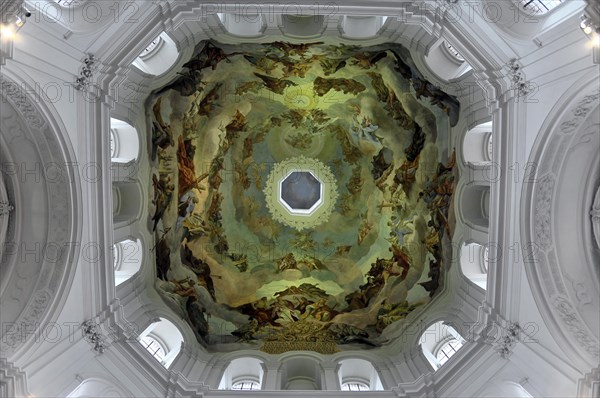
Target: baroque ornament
x=5, y=208
x=93, y=335
x=273, y=192
x=507, y=343
x=518, y=78
x=85, y=73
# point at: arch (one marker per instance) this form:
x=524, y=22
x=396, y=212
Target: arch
x=167, y=336
x=158, y=57
x=301, y=373
x=445, y=61
x=477, y=145
x=127, y=203
x=124, y=142
x=302, y=26
x=97, y=387
x=474, y=205
x=127, y=259
x=355, y=374
x=557, y=225
x=244, y=373
x=474, y=263
x=361, y=26
x=243, y=25
x=508, y=389
x=439, y=342
x=36, y=157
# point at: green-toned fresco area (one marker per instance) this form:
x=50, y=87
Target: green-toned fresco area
x=238, y=275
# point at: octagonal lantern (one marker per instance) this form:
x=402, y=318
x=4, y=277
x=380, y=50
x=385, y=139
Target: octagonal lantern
x=301, y=192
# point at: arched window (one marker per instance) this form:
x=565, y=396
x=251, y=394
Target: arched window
x=158, y=56
x=538, y=6
x=361, y=27
x=127, y=259
x=355, y=386
x=124, y=142
x=246, y=25
x=358, y=375
x=474, y=263
x=439, y=343
x=447, y=349
x=242, y=374
x=445, y=61
x=162, y=340
x=245, y=385
x=153, y=347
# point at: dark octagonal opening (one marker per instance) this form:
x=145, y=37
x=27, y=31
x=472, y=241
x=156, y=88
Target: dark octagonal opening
x=300, y=190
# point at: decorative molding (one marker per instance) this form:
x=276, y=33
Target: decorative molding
x=272, y=192
x=92, y=333
x=577, y=327
x=543, y=212
x=507, y=343
x=517, y=77
x=579, y=113
x=17, y=96
x=595, y=215
x=86, y=72
x=5, y=208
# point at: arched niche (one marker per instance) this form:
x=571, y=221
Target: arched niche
x=445, y=61
x=477, y=146
x=97, y=387
x=127, y=203
x=158, y=57
x=243, y=25
x=357, y=374
x=124, y=142
x=127, y=259
x=474, y=205
x=474, y=263
x=243, y=374
x=439, y=342
x=361, y=26
x=301, y=373
x=303, y=26
x=163, y=340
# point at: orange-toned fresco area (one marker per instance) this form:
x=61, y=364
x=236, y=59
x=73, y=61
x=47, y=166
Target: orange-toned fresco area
x=368, y=133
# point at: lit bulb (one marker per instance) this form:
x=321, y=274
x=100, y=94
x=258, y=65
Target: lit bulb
x=6, y=32
x=587, y=30
x=583, y=24
x=19, y=22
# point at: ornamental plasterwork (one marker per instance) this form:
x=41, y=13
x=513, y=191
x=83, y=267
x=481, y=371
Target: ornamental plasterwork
x=508, y=341
x=595, y=215
x=16, y=95
x=323, y=174
x=543, y=207
x=580, y=112
x=576, y=326
x=5, y=208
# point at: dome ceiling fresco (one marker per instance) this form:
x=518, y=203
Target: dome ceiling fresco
x=302, y=194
